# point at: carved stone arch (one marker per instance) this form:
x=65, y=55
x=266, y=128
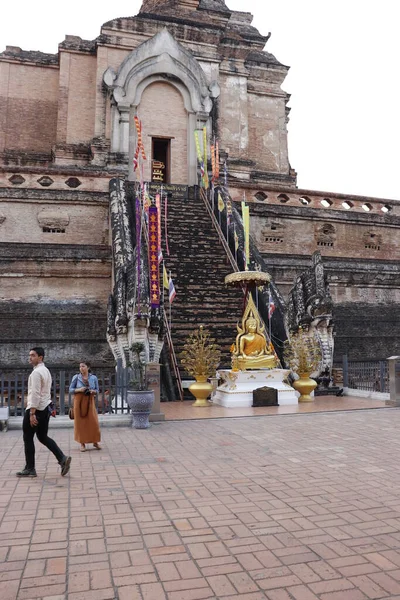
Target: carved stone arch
x=161, y=58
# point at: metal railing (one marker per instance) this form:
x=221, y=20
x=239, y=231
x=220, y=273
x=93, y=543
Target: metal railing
x=218, y=229
x=369, y=376
x=110, y=399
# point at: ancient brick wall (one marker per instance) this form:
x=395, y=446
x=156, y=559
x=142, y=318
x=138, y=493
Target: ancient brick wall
x=55, y=269
x=81, y=98
x=55, y=296
x=366, y=298
x=28, y=107
x=267, y=133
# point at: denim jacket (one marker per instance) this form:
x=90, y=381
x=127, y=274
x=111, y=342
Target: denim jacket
x=77, y=382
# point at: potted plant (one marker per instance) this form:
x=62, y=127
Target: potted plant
x=200, y=358
x=302, y=353
x=140, y=399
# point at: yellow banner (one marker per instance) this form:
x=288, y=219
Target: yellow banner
x=221, y=204
x=198, y=148
x=165, y=278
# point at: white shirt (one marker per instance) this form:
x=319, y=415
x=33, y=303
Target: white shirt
x=39, y=387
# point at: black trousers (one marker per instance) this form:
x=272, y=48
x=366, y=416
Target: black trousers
x=41, y=430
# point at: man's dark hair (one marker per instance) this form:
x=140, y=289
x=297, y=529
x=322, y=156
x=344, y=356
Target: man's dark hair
x=39, y=351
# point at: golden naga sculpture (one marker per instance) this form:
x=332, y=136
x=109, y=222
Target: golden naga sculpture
x=252, y=350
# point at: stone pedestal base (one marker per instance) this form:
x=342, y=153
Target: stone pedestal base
x=237, y=389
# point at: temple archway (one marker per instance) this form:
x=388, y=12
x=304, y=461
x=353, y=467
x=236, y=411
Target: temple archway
x=159, y=66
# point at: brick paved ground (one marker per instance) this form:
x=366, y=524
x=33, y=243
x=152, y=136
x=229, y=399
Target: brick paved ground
x=299, y=507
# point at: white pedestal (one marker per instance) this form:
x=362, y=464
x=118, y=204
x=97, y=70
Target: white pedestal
x=237, y=389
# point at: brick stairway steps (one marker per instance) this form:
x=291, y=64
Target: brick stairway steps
x=199, y=266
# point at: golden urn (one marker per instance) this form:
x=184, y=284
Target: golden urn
x=200, y=358
x=302, y=353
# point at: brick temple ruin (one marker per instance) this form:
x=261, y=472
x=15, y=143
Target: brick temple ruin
x=66, y=130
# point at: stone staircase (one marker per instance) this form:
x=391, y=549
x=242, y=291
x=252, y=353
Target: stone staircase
x=198, y=265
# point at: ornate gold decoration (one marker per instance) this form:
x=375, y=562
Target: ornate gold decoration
x=200, y=358
x=302, y=353
x=305, y=385
x=252, y=350
x=256, y=278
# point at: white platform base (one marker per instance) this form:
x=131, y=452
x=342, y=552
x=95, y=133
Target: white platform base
x=238, y=386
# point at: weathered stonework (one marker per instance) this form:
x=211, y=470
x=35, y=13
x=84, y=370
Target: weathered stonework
x=67, y=129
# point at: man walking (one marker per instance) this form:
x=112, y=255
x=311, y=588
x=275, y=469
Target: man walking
x=37, y=415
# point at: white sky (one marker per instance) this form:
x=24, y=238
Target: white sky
x=344, y=129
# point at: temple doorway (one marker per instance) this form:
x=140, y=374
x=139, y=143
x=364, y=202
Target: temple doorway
x=161, y=159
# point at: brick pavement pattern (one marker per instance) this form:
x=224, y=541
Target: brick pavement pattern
x=300, y=507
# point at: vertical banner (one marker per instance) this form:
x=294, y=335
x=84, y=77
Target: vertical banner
x=199, y=155
x=140, y=147
x=154, y=238
x=228, y=216
x=246, y=227
x=217, y=160
x=206, y=183
x=138, y=245
x=158, y=206
x=235, y=236
x=213, y=162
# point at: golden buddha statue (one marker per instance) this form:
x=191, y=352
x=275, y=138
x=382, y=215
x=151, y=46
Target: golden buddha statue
x=252, y=350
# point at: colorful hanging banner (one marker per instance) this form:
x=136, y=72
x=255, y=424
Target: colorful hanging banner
x=221, y=204
x=140, y=147
x=246, y=228
x=138, y=217
x=154, y=238
x=217, y=160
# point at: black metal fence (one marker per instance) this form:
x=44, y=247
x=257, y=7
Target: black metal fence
x=369, y=376
x=110, y=399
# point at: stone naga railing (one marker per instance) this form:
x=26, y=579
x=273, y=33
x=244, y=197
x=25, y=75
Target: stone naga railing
x=130, y=318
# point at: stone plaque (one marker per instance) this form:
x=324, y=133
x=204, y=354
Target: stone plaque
x=265, y=396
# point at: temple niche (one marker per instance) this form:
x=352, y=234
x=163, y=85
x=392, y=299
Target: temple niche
x=157, y=79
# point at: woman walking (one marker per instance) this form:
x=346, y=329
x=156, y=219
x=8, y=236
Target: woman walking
x=85, y=386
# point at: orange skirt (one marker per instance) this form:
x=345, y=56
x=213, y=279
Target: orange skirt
x=86, y=428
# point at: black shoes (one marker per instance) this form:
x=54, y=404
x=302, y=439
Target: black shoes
x=27, y=473
x=65, y=465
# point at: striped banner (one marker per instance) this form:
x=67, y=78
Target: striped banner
x=217, y=160
x=139, y=147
